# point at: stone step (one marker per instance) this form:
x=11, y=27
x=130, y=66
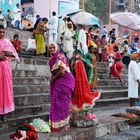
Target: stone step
x=21, y=89
x=110, y=110
x=102, y=70
x=113, y=101
x=112, y=82
x=44, y=88
x=24, y=52
x=38, y=98
x=42, y=70
x=21, y=111
x=37, y=60
x=24, y=73
x=13, y=123
x=32, y=99
x=110, y=94
x=46, y=80
x=106, y=76
x=30, y=80
x=108, y=87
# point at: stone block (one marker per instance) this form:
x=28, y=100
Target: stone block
x=31, y=80
x=28, y=110
x=24, y=73
x=32, y=99
x=83, y=123
x=27, y=89
x=114, y=94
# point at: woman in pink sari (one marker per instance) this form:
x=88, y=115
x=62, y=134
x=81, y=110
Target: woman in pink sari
x=7, y=51
x=104, y=48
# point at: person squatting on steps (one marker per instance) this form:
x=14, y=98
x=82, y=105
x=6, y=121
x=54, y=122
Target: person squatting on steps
x=17, y=43
x=7, y=52
x=116, y=68
x=133, y=79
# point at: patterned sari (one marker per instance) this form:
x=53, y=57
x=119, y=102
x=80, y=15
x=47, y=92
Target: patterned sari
x=61, y=91
x=6, y=86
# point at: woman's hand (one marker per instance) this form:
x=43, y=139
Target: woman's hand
x=2, y=57
x=59, y=74
x=8, y=54
x=52, y=80
x=79, y=57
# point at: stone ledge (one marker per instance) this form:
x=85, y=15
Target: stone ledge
x=106, y=126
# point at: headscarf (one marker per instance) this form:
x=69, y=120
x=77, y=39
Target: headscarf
x=56, y=46
x=117, y=56
x=134, y=56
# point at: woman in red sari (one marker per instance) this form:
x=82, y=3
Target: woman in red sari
x=83, y=96
x=7, y=51
x=116, y=68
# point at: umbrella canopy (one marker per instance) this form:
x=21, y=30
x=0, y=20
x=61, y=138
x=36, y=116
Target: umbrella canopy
x=85, y=18
x=69, y=12
x=127, y=19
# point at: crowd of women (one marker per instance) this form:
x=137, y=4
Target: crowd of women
x=73, y=65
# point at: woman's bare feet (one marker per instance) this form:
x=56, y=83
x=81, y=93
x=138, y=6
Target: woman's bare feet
x=65, y=128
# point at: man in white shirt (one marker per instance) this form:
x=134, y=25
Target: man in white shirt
x=68, y=41
x=82, y=40
x=53, y=25
x=104, y=32
x=133, y=79
x=61, y=30
x=17, y=16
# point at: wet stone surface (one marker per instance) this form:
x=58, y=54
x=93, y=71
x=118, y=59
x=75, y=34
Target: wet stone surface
x=131, y=134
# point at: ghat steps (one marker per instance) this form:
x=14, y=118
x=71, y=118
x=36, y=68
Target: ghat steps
x=31, y=91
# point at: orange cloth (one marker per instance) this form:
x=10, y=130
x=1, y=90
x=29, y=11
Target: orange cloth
x=17, y=45
x=110, y=49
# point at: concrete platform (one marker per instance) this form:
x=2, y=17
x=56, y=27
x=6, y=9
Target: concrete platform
x=107, y=125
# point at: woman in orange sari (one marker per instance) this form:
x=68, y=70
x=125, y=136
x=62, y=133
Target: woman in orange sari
x=110, y=49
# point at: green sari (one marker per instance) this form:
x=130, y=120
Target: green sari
x=92, y=71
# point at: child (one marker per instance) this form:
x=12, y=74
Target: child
x=17, y=43
x=110, y=61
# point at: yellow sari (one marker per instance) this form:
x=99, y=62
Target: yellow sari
x=39, y=38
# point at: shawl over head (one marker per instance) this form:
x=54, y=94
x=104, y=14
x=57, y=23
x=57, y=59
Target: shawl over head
x=134, y=55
